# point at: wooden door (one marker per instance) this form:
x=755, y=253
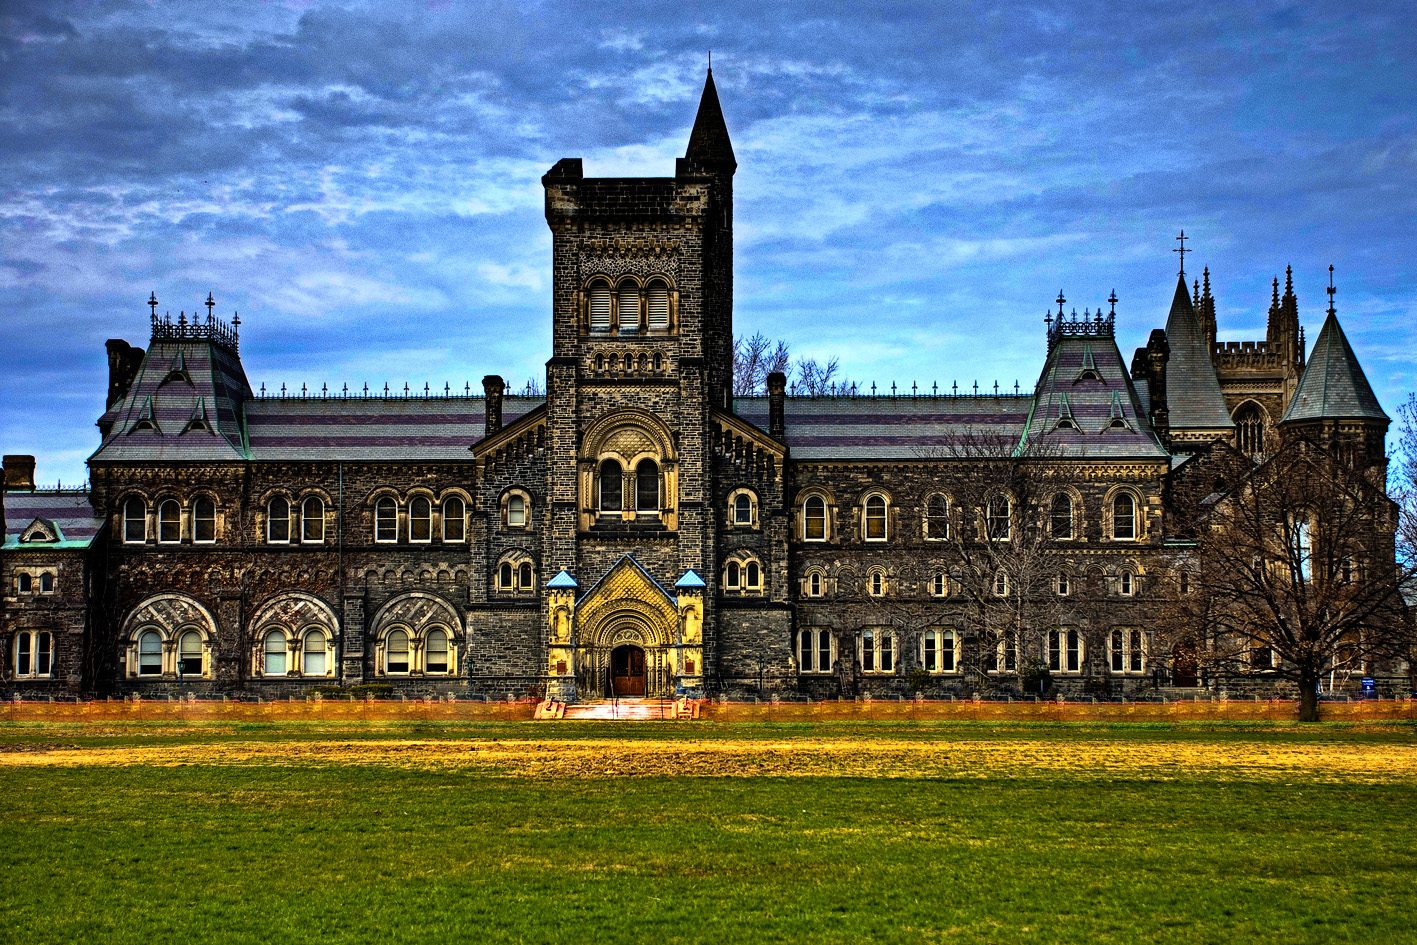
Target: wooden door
x=627, y=670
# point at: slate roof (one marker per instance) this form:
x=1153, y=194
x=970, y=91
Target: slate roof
x=903, y=427
x=392, y=428
x=1333, y=386
x=709, y=143
x=1085, y=405
x=180, y=381
x=1193, y=394
x=68, y=511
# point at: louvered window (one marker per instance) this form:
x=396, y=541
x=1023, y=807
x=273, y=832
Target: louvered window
x=600, y=307
x=658, y=306
x=629, y=307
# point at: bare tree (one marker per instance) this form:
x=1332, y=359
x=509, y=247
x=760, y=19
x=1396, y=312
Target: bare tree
x=754, y=358
x=533, y=388
x=1004, y=566
x=815, y=379
x=1294, y=576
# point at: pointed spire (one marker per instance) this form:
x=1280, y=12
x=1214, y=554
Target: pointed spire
x=709, y=144
x=1334, y=386
x=1193, y=393
x=1205, y=308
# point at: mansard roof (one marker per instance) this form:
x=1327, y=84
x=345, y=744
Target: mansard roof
x=894, y=427
x=184, y=404
x=68, y=510
x=1193, y=394
x=1085, y=405
x=1333, y=386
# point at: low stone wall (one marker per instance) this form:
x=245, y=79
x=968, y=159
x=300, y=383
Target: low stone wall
x=1174, y=711
x=312, y=711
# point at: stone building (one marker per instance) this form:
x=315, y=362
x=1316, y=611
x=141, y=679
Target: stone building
x=639, y=530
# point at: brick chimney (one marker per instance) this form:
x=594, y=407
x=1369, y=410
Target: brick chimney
x=19, y=473
x=492, y=386
x=777, y=397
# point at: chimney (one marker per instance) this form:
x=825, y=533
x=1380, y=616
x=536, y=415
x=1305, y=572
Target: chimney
x=777, y=396
x=1158, y=351
x=493, y=386
x=123, y=364
x=19, y=473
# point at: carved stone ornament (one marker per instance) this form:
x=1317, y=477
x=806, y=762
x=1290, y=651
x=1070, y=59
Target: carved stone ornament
x=294, y=611
x=416, y=611
x=168, y=612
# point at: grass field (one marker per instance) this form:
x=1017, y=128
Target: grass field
x=697, y=832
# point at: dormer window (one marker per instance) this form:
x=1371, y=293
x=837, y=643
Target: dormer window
x=1089, y=366
x=199, y=419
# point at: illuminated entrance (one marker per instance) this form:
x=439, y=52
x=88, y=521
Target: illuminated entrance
x=627, y=670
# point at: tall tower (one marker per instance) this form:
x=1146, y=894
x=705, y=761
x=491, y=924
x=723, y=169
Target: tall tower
x=642, y=353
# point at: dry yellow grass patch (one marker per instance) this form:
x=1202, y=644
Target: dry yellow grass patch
x=859, y=757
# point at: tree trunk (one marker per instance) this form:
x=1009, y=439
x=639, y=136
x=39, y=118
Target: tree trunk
x=1308, y=695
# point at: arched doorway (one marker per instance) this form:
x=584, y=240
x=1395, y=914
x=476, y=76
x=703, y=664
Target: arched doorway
x=1184, y=666
x=627, y=670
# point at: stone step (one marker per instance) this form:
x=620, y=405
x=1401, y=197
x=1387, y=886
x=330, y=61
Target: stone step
x=625, y=710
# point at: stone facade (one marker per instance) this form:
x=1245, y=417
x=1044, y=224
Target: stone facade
x=639, y=530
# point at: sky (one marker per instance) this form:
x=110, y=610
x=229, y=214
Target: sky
x=916, y=182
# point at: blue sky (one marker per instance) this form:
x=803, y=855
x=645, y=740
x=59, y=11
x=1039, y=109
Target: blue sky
x=915, y=184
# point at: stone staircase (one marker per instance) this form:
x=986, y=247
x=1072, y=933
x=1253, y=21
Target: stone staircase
x=622, y=710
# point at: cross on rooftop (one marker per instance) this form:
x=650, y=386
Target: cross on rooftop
x=1183, y=251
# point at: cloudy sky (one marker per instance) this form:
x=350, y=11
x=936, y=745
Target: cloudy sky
x=915, y=183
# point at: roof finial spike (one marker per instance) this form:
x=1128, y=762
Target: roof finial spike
x=152, y=301
x=210, y=303
x=1288, y=280
x=1206, y=276
x=1113, y=300
x=1331, y=290
x=1196, y=290
x=1060, y=300
x=1183, y=251
x=1275, y=300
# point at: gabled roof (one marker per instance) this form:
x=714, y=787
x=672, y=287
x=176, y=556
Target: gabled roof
x=1193, y=396
x=1085, y=405
x=709, y=144
x=627, y=560
x=68, y=512
x=1333, y=386
x=180, y=380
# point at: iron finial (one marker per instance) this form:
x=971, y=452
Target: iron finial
x=1183, y=250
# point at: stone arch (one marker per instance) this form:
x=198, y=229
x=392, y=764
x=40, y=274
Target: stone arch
x=417, y=610
x=167, y=613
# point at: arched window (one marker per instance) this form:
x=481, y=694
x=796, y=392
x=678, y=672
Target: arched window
x=1001, y=583
x=189, y=654
x=386, y=520
x=46, y=583
x=658, y=304
x=1126, y=583
x=204, y=521
x=135, y=521
x=1249, y=429
x=149, y=653
x=752, y=577
x=314, y=655
x=435, y=652
x=733, y=576
x=506, y=577
x=814, y=584
x=600, y=307
x=876, y=518
x=629, y=307
x=998, y=518
x=278, y=521
x=169, y=522
x=420, y=519
x=1183, y=582
x=877, y=583
x=743, y=509
x=1124, y=517
x=612, y=486
x=940, y=584
x=454, y=519
x=1063, y=585
x=516, y=511
x=396, y=652
x=937, y=518
x=868, y=651
x=1060, y=522
x=647, y=486
x=524, y=578
x=814, y=518
x=275, y=650
x=24, y=583
x=1301, y=547
x=312, y=520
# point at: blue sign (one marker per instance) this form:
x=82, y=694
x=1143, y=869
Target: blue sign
x=1369, y=685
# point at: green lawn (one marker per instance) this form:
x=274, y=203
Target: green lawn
x=290, y=850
